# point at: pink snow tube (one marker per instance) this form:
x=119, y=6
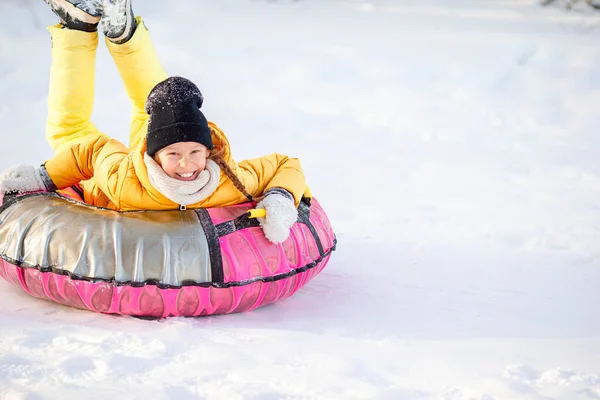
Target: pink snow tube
x=155, y=264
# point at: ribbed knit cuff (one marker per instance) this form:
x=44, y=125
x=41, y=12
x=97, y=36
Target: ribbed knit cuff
x=279, y=191
x=50, y=186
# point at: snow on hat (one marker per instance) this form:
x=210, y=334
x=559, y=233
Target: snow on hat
x=175, y=116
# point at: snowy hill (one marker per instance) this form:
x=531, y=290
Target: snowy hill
x=455, y=148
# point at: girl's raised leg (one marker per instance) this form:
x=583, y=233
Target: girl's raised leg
x=140, y=70
x=71, y=91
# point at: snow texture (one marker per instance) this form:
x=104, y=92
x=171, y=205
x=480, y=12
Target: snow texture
x=454, y=145
x=116, y=17
x=574, y=5
x=92, y=7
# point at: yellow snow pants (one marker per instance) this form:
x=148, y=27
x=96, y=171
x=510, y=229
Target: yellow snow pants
x=72, y=82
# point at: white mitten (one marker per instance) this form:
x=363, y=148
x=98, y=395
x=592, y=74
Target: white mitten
x=22, y=178
x=281, y=214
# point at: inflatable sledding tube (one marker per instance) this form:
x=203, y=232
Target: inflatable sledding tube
x=155, y=263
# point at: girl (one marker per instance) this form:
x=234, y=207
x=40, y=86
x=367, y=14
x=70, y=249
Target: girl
x=176, y=160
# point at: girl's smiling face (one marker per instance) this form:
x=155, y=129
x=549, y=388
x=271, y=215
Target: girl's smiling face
x=183, y=160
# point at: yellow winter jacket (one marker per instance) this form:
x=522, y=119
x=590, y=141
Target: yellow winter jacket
x=111, y=176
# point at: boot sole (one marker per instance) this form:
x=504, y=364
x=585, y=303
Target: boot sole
x=66, y=8
x=128, y=25
x=73, y=17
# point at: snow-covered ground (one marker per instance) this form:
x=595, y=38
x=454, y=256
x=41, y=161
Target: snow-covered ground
x=454, y=145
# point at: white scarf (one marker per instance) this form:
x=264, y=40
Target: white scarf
x=184, y=192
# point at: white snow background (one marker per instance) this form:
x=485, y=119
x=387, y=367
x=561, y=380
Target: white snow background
x=455, y=147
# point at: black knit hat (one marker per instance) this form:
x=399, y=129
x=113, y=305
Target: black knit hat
x=175, y=116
